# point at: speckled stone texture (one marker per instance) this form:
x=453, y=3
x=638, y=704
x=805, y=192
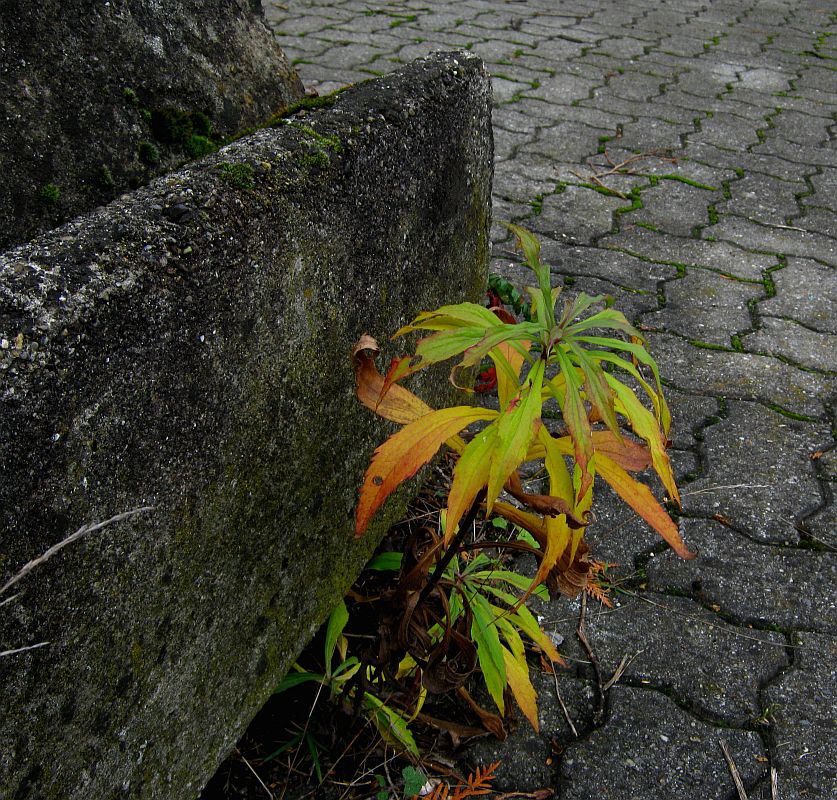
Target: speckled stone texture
x=187, y=348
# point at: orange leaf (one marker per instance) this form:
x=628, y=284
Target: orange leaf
x=399, y=404
x=406, y=451
x=522, y=689
x=639, y=497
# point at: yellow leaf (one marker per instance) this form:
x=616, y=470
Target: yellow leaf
x=469, y=476
x=522, y=689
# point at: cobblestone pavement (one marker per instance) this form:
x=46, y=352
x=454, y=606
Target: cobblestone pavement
x=679, y=156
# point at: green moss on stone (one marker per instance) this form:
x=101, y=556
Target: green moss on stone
x=238, y=175
x=148, y=153
x=49, y=193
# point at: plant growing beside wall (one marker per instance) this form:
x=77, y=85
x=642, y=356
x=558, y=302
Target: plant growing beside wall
x=567, y=362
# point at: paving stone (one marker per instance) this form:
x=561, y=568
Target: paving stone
x=674, y=207
x=650, y=748
x=817, y=220
x=577, y=216
x=780, y=337
x=690, y=413
x=504, y=89
x=805, y=292
x=721, y=256
x=801, y=705
x=766, y=80
x=804, y=129
x=758, y=584
x=675, y=645
x=727, y=130
x=822, y=526
x=618, y=268
x=746, y=161
x=762, y=198
x=562, y=89
x=706, y=307
x=776, y=240
x=651, y=133
x=763, y=459
x=807, y=156
x=740, y=376
x=526, y=757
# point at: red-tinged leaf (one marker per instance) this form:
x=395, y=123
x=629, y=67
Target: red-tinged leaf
x=549, y=505
x=469, y=476
x=515, y=431
x=628, y=454
x=399, y=405
x=524, y=693
x=639, y=497
x=486, y=381
x=523, y=519
x=406, y=451
x=575, y=416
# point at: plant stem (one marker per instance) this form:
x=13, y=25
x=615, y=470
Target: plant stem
x=453, y=548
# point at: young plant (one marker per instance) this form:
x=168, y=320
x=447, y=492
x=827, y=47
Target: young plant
x=562, y=358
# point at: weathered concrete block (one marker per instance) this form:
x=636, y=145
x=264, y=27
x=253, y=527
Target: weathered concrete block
x=97, y=98
x=187, y=347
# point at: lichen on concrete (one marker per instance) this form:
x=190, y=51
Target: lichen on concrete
x=187, y=348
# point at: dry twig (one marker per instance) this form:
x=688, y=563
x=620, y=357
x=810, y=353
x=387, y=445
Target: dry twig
x=82, y=531
x=736, y=778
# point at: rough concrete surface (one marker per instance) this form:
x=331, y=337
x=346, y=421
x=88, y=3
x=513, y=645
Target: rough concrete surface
x=726, y=240
x=100, y=97
x=187, y=348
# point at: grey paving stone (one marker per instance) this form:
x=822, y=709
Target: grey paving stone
x=727, y=130
x=766, y=80
x=805, y=129
x=562, y=89
x=801, y=706
x=757, y=472
x=571, y=142
x=720, y=256
x=775, y=239
x=806, y=156
x=618, y=268
x=651, y=134
x=690, y=413
x=806, y=292
x=762, y=198
x=824, y=184
x=740, y=376
x=706, y=307
x=675, y=645
x=650, y=748
x=817, y=220
x=795, y=342
x=674, y=207
x=505, y=90
x=576, y=216
x=746, y=161
x=758, y=584
x=822, y=526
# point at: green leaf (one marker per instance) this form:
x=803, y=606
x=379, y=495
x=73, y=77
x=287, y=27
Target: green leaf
x=575, y=416
x=294, y=679
x=414, y=780
x=336, y=623
x=609, y=318
x=489, y=649
x=385, y=562
x=469, y=476
x=390, y=724
x=463, y=315
x=598, y=392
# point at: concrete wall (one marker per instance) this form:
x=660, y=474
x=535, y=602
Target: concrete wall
x=187, y=348
x=100, y=97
